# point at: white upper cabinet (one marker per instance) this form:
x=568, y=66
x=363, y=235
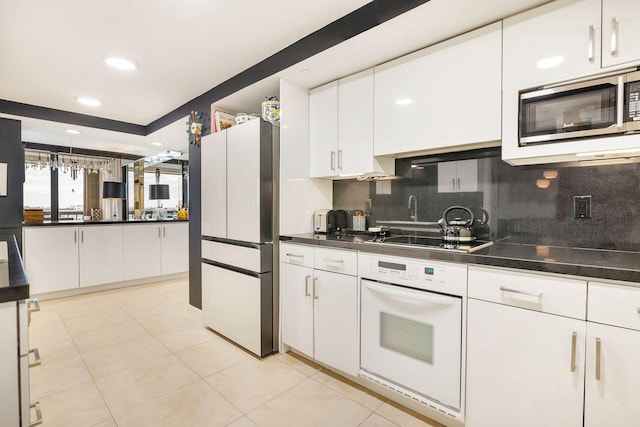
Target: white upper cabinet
x=341, y=129
x=620, y=31
x=323, y=130
x=447, y=95
x=557, y=41
x=214, y=184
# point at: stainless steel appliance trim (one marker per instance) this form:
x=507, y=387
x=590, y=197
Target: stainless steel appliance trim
x=411, y=297
x=519, y=292
x=560, y=88
x=598, y=361
x=574, y=339
x=620, y=102
x=577, y=134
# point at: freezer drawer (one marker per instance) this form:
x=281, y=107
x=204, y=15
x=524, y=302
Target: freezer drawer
x=239, y=306
x=252, y=257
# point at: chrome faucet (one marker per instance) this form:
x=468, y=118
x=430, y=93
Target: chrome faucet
x=415, y=207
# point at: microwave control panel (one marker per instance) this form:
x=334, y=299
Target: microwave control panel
x=633, y=102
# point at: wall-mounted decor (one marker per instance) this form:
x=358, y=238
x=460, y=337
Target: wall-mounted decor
x=194, y=127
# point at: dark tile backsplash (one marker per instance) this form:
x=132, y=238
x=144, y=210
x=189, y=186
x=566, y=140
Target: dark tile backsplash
x=519, y=211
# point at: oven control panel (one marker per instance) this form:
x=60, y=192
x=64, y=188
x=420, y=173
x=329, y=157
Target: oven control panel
x=415, y=273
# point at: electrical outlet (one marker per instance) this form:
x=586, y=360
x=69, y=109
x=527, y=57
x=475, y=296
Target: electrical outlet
x=582, y=207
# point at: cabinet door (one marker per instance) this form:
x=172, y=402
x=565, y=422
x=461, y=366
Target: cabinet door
x=9, y=393
x=443, y=96
x=296, y=309
x=355, y=124
x=447, y=175
x=522, y=369
x=243, y=174
x=101, y=254
x=142, y=250
x=214, y=184
x=467, y=175
x=175, y=248
x=620, y=31
x=556, y=41
x=323, y=131
x=336, y=321
x=612, y=399
x=51, y=258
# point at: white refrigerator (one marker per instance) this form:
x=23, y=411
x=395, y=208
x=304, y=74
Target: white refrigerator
x=239, y=231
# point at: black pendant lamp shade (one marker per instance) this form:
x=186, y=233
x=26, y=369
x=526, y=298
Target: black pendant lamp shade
x=114, y=190
x=158, y=191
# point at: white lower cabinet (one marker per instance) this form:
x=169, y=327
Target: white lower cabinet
x=319, y=310
x=9, y=380
x=100, y=254
x=51, y=258
x=613, y=351
x=522, y=369
x=65, y=257
x=525, y=349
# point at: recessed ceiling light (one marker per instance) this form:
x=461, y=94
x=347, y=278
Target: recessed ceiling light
x=73, y=131
x=89, y=101
x=120, y=63
x=156, y=143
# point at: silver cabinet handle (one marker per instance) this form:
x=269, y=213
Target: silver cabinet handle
x=337, y=261
x=75, y=237
x=36, y=307
x=36, y=357
x=598, y=352
x=574, y=339
x=159, y=232
x=38, y=419
x=82, y=236
x=164, y=231
x=516, y=291
x=458, y=180
x=295, y=255
x=614, y=37
x=315, y=288
x=339, y=159
x=333, y=160
x=453, y=184
x=592, y=40
x=307, y=291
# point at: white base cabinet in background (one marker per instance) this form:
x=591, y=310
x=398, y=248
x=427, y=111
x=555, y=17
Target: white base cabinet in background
x=148, y=246
x=51, y=258
x=9, y=383
x=100, y=254
x=319, y=309
x=174, y=248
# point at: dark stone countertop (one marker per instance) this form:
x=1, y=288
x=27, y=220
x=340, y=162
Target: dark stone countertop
x=14, y=285
x=101, y=222
x=586, y=263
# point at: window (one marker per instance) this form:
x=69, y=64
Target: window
x=37, y=189
x=70, y=194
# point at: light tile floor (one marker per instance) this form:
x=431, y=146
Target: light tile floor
x=139, y=356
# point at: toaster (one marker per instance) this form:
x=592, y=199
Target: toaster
x=321, y=222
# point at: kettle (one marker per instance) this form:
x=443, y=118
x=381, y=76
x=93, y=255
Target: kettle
x=457, y=228
x=480, y=226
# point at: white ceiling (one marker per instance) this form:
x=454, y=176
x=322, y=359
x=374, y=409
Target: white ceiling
x=51, y=52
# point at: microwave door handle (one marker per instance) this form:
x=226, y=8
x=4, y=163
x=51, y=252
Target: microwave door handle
x=562, y=88
x=411, y=297
x=620, y=102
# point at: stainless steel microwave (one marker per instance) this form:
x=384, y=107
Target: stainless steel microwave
x=605, y=106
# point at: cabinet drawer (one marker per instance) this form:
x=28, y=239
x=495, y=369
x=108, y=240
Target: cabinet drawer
x=614, y=305
x=253, y=259
x=566, y=297
x=337, y=260
x=296, y=254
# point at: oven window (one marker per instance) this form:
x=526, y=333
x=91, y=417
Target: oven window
x=577, y=110
x=406, y=336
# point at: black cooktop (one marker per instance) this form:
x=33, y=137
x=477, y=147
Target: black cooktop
x=432, y=243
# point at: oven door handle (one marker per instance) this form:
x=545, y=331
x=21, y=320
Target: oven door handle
x=411, y=296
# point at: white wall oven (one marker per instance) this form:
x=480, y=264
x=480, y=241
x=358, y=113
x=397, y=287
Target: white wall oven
x=412, y=325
